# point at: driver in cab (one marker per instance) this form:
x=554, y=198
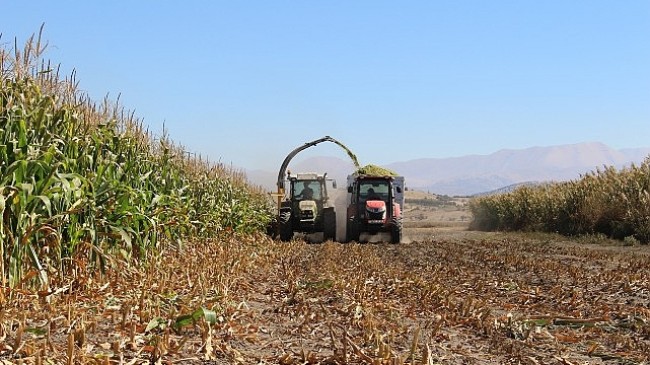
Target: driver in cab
x=372, y=195
x=307, y=192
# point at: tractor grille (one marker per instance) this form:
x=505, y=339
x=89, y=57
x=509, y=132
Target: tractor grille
x=375, y=217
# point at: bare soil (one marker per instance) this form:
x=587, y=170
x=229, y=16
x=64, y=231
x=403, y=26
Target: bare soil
x=444, y=296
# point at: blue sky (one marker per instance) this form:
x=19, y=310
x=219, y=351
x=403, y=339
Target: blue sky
x=244, y=82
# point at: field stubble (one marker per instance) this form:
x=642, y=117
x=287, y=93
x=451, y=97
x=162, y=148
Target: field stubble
x=446, y=296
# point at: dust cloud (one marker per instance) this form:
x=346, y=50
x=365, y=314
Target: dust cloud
x=339, y=197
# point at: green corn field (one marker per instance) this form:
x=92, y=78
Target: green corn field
x=81, y=182
x=612, y=202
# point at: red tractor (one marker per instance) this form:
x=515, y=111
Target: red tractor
x=375, y=206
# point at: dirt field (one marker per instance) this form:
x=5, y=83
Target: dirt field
x=444, y=296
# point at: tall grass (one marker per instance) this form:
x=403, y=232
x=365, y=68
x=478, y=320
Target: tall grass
x=608, y=201
x=80, y=181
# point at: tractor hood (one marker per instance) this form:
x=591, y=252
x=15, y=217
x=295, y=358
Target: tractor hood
x=307, y=205
x=375, y=212
x=376, y=206
x=308, y=210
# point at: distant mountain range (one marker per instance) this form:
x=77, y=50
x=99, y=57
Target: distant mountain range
x=475, y=174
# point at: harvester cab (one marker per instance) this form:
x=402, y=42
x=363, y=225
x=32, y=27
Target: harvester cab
x=375, y=206
x=307, y=209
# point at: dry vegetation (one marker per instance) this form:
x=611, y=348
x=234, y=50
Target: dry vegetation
x=457, y=297
x=464, y=298
x=424, y=211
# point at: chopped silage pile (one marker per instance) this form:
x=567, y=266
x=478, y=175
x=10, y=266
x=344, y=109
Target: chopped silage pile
x=375, y=170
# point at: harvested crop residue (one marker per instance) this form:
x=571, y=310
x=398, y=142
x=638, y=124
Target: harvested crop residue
x=458, y=298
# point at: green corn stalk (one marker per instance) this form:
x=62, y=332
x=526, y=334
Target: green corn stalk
x=80, y=180
x=612, y=202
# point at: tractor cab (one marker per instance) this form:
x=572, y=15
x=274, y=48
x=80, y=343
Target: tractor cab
x=307, y=188
x=308, y=196
x=375, y=190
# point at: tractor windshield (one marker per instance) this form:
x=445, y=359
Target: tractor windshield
x=374, y=190
x=307, y=189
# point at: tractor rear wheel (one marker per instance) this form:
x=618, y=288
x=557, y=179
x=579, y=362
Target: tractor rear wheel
x=396, y=231
x=329, y=224
x=352, y=231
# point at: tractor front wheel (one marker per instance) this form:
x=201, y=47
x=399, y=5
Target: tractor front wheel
x=286, y=230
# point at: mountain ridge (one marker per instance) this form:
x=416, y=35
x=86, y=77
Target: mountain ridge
x=475, y=174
